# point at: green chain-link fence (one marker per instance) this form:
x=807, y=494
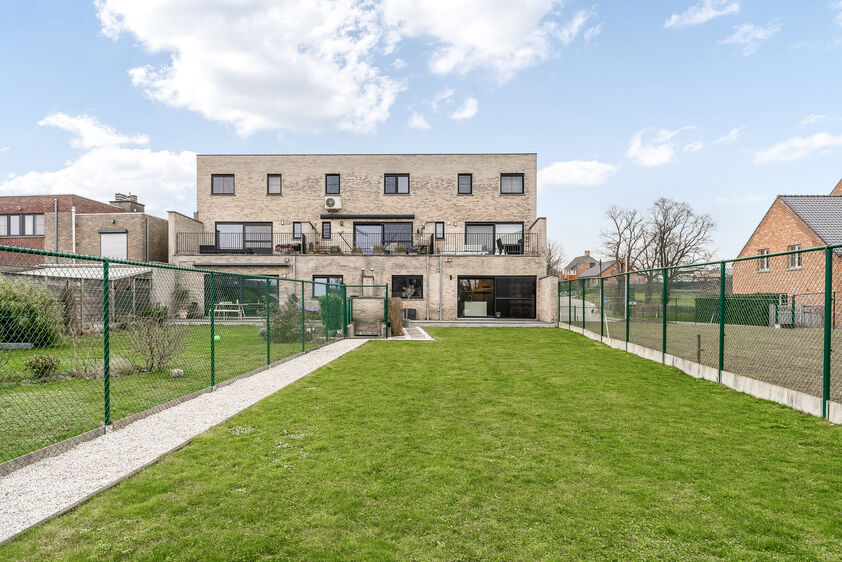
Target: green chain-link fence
x=89, y=342
x=772, y=318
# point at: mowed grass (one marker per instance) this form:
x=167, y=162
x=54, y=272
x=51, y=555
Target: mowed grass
x=34, y=414
x=501, y=443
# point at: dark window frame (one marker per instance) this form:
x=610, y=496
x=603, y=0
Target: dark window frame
x=280, y=184
x=338, y=184
x=327, y=282
x=494, y=295
x=243, y=241
x=513, y=175
x=396, y=176
x=399, y=294
x=459, y=184
x=437, y=230
x=21, y=222
x=233, y=184
x=328, y=225
x=494, y=232
x=300, y=231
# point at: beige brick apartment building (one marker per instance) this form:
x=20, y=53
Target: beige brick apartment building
x=456, y=233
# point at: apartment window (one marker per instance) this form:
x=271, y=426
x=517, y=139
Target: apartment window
x=511, y=184
x=222, y=184
x=250, y=237
x=465, y=184
x=408, y=286
x=763, y=261
x=22, y=225
x=396, y=184
x=502, y=238
x=325, y=231
x=332, y=184
x=439, y=231
x=296, y=230
x=385, y=235
x=273, y=184
x=795, y=259
x=114, y=244
x=330, y=283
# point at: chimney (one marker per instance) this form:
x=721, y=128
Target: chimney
x=128, y=203
x=587, y=252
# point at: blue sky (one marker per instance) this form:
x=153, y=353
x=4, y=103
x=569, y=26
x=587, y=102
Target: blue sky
x=722, y=103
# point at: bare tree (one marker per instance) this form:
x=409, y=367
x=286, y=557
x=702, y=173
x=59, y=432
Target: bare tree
x=626, y=240
x=555, y=257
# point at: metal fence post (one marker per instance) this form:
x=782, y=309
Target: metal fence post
x=569, y=304
x=326, y=313
x=106, y=344
x=664, y=315
x=601, y=307
x=584, y=310
x=628, y=309
x=386, y=301
x=344, y=311
x=558, y=304
x=828, y=282
x=268, y=339
x=303, y=345
x=721, y=321
x=212, y=311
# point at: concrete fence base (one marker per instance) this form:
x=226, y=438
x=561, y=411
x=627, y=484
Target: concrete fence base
x=759, y=389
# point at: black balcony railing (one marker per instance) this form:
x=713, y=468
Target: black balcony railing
x=279, y=243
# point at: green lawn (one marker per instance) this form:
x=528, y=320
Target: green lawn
x=489, y=443
x=34, y=414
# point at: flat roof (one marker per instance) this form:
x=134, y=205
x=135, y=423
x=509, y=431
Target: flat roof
x=390, y=154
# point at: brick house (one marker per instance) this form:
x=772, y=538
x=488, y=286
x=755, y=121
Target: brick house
x=793, y=222
x=74, y=224
x=578, y=265
x=459, y=231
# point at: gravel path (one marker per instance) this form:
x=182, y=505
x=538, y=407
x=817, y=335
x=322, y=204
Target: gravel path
x=54, y=485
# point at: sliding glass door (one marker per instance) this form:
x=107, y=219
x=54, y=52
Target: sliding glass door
x=494, y=238
x=497, y=297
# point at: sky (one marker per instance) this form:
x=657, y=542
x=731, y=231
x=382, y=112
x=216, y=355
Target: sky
x=720, y=103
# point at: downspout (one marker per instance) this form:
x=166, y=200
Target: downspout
x=147, y=239
x=427, y=292
x=73, y=228
x=441, y=284
x=55, y=226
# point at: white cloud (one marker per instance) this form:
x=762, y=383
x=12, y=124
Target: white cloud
x=693, y=146
x=575, y=172
x=467, y=110
x=732, y=136
x=4, y=149
x=107, y=166
x=703, y=12
x=417, y=121
x=398, y=63
x=656, y=152
x=813, y=118
x=568, y=32
x=750, y=36
x=837, y=7
x=797, y=148
x=592, y=32
x=441, y=97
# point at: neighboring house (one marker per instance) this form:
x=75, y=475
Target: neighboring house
x=460, y=230
x=793, y=222
x=74, y=224
x=600, y=269
x=579, y=265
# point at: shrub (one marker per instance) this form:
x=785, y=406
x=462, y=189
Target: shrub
x=29, y=313
x=330, y=308
x=43, y=367
x=396, y=316
x=285, y=321
x=157, y=341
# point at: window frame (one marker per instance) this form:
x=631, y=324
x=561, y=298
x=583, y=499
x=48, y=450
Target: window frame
x=328, y=225
x=122, y=232
x=338, y=184
x=470, y=184
x=397, y=183
x=522, y=177
x=244, y=243
x=280, y=184
x=233, y=184
x=300, y=230
x=19, y=220
x=419, y=296
x=327, y=282
x=763, y=259
x=795, y=261
x=442, y=230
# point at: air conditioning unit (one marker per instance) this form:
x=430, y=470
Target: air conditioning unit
x=333, y=203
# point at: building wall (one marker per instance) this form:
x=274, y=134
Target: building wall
x=433, y=189
x=88, y=235
x=179, y=223
x=548, y=298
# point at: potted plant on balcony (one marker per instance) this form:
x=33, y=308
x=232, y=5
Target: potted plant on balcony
x=378, y=248
x=335, y=250
x=400, y=249
x=356, y=250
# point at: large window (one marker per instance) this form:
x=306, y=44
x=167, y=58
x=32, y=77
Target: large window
x=495, y=238
x=500, y=297
x=273, y=184
x=511, y=184
x=332, y=184
x=249, y=237
x=22, y=225
x=332, y=282
x=222, y=184
x=382, y=236
x=396, y=184
x=296, y=230
x=114, y=244
x=408, y=286
x=763, y=261
x=795, y=259
x=466, y=184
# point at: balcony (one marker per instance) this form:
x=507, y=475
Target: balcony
x=283, y=243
